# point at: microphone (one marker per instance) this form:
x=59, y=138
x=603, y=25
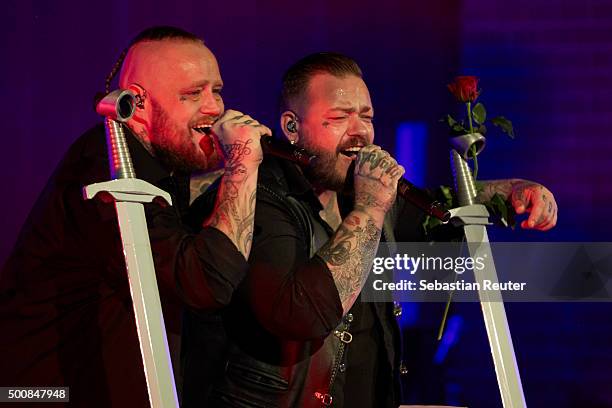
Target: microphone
x=286, y=150
x=422, y=200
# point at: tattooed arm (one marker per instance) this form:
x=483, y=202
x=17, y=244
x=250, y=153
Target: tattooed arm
x=349, y=254
x=237, y=136
x=350, y=251
x=525, y=196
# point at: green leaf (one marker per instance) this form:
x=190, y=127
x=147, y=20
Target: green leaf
x=479, y=113
x=458, y=128
x=430, y=223
x=500, y=205
x=455, y=125
x=442, y=193
x=447, y=193
x=502, y=210
x=482, y=129
x=504, y=124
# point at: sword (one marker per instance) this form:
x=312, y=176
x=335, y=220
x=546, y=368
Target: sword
x=129, y=194
x=474, y=218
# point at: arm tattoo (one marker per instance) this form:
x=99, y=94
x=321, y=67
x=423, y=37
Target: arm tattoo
x=234, y=211
x=367, y=200
x=502, y=187
x=349, y=254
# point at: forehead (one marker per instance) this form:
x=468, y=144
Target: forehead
x=329, y=91
x=172, y=63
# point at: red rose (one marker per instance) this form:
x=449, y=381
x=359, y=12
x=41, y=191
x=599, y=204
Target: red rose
x=465, y=88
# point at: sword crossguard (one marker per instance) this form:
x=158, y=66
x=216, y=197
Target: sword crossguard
x=127, y=190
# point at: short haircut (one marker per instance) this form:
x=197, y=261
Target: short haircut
x=298, y=76
x=159, y=33
x=155, y=33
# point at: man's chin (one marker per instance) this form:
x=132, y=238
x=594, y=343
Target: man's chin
x=334, y=182
x=327, y=174
x=340, y=176
x=184, y=162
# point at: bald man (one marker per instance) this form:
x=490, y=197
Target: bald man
x=66, y=316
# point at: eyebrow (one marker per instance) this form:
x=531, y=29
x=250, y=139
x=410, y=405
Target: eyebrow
x=350, y=110
x=202, y=84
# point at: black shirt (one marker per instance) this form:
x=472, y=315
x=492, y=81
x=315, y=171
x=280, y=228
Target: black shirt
x=66, y=316
x=286, y=306
x=280, y=313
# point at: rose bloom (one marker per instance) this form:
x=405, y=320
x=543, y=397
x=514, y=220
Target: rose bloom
x=465, y=88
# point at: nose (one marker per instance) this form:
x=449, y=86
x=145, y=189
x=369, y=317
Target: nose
x=212, y=103
x=359, y=128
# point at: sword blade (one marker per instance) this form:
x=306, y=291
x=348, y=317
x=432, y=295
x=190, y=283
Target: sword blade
x=496, y=321
x=147, y=305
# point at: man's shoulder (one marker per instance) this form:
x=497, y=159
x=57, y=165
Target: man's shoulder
x=92, y=143
x=272, y=175
x=86, y=158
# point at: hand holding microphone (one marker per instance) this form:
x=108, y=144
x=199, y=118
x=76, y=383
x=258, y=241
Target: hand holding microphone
x=376, y=174
x=238, y=136
x=406, y=190
x=269, y=144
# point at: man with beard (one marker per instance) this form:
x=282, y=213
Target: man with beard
x=66, y=316
x=296, y=333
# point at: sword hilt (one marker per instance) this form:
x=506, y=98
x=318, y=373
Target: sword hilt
x=119, y=158
x=118, y=107
x=464, y=181
x=462, y=148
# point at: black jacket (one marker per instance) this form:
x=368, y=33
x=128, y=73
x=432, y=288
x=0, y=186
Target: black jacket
x=66, y=316
x=275, y=333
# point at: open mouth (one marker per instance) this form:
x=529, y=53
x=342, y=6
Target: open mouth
x=203, y=129
x=206, y=142
x=207, y=145
x=351, y=152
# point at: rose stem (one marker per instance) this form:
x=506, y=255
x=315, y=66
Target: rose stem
x=473, y=147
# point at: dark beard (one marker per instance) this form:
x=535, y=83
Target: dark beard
x=172, y=160
x=322, y=172
x=174, y=153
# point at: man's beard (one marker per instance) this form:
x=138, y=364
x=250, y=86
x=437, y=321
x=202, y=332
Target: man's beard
x=322, y=172
x=175, y=147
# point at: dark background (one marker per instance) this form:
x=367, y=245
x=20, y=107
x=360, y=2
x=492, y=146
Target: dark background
x=547, y=65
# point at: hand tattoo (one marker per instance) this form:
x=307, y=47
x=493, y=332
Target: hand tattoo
x=237, y=151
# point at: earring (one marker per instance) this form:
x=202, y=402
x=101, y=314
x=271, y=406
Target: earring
x=291, y=126
x=140, y=99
